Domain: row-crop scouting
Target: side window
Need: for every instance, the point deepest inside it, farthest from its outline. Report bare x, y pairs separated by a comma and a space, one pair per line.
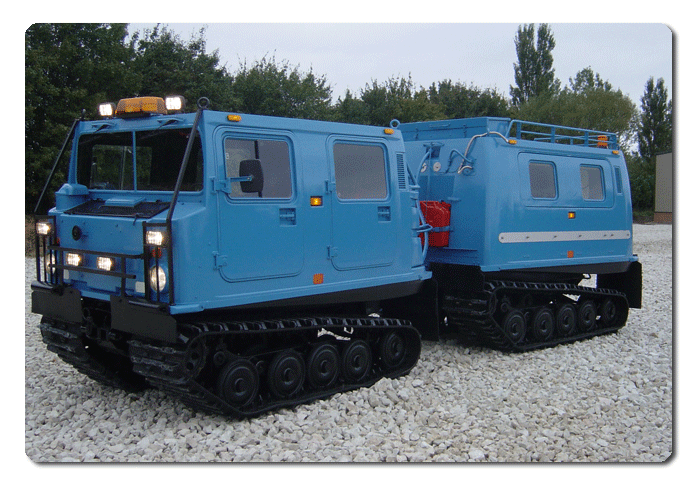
275, 161
360, 171
592, 183
542, 180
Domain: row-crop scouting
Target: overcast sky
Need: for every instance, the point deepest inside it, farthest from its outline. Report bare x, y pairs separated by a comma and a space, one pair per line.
352, 55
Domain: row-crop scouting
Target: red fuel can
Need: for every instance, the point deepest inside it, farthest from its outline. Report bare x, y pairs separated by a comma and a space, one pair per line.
437, 214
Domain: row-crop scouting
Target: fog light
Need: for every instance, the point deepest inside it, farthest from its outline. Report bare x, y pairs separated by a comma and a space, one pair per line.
157, 277
105, 263
73, 259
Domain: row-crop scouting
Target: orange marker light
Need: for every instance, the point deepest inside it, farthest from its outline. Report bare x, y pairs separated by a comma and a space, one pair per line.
234, 118
318, 278
570, 254
572, 214
316, 201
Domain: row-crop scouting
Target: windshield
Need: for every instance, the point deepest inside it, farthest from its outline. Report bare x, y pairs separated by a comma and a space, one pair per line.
143, 161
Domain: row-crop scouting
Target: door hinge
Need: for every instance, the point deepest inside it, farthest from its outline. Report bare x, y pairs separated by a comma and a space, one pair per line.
220, 261
330, 186
332, 252
221, 185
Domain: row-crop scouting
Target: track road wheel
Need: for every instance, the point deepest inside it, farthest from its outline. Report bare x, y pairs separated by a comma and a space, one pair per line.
392, 350
238, 382
565, 320
356, 360
586, 316
322, 365
285, 374
543, 324
514, 326
609, 314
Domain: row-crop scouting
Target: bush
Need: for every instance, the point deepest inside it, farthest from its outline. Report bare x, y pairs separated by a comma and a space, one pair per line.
642, 183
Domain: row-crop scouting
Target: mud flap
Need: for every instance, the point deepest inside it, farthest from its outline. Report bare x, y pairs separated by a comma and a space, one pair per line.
628, 282
63, 304
150, 321
421, 309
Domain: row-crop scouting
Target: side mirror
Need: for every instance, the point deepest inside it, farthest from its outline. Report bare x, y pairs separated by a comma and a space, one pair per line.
251, 168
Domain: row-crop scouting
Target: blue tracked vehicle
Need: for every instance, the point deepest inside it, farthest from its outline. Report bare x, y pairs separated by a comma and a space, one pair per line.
246, 263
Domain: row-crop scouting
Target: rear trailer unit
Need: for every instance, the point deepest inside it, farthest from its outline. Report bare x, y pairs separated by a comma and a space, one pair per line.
526, 211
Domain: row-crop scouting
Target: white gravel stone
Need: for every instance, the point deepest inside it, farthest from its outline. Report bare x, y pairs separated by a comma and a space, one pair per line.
608, 399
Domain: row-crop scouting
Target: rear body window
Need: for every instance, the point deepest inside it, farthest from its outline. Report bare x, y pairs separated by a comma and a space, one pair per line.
592, 183
542, 180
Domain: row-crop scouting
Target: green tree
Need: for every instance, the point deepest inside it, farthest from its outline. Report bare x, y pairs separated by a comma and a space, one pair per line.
396, 98
459, 101
534, 72
272, 88
350, 110
654, 137
587, 102
656, 124
68, 68
164, 64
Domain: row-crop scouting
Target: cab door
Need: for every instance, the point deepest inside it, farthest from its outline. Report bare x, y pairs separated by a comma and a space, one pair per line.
259, 232
364, 221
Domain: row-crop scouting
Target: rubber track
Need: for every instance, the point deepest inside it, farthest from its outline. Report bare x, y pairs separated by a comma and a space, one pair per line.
69, 343
165, 366
475, 316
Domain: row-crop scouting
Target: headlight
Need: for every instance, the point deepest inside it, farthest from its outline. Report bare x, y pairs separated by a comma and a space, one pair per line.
73, 259
43, 228
157, 277
105, 263
155, 237
50, 262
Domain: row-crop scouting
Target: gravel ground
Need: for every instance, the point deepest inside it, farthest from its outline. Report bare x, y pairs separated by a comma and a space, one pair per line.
608, 399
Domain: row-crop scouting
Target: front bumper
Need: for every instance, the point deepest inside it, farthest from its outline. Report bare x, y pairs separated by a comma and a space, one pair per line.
127, 315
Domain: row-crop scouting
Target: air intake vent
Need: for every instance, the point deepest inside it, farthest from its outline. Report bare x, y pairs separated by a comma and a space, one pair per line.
402, 171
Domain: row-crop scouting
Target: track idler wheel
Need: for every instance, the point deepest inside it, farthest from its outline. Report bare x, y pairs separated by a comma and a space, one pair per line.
285, 374
195, 357
356, 360
238, 382
514, 326
565, 320
543, 324
323, 365
586, 316
392, 350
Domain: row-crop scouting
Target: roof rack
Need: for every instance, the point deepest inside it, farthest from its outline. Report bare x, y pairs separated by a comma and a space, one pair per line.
543, 132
